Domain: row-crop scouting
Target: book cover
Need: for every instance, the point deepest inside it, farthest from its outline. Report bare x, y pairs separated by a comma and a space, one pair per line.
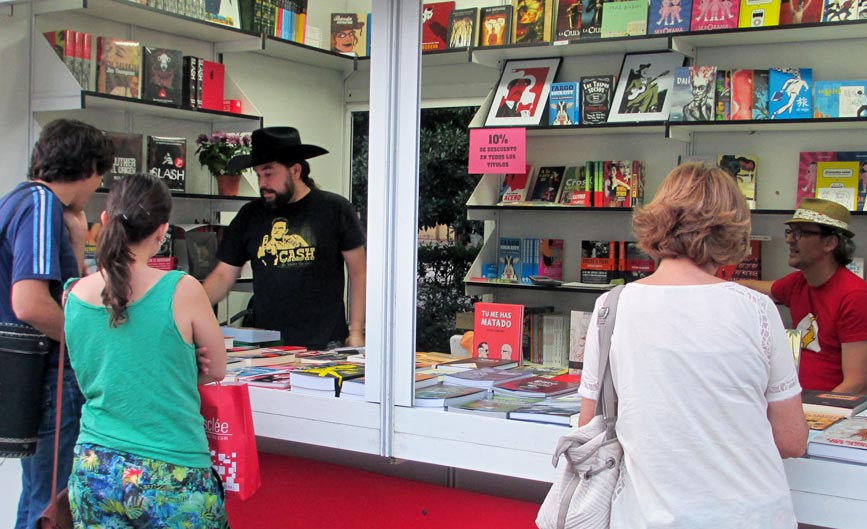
348, 34
598, 262
742, 94
759, 13
533, 21
496, 406
574, 191
807, 169
856, 266
551, 258
462, 27
118, 67
591, 19
845, 440
535, 387
831, 403
509, 259
275, 380
840, 10
860, 159
793, 12
821, 421
749, 268
579, 323
495, 26
435, 25
128, 156
760, 94
636, 263
853, 96
567, 27
475, 362
442, 395
249, 334
213, 85
563, 104
515, 186
714, 14
225, 13
484, 377
744, 169
596, 96
692, 98
616, 184
163, 74
189, 87
562, 410
263, 357
838, 181
498, 330
547, 184
723, 95
668, 16
791, 93
167, 160
624, 18
328, 377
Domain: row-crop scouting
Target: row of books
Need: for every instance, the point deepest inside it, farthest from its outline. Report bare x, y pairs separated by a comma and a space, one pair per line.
285, 19
602, 184
166, 158
126, 68
604, 262
223, 13
838, 425
518, 259
708, 93
565, 21
840, 176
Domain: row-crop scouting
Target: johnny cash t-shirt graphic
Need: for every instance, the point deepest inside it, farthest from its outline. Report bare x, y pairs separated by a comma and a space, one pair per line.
281, 249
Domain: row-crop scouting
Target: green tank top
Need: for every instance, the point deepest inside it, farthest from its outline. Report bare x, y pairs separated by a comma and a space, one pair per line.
140, 379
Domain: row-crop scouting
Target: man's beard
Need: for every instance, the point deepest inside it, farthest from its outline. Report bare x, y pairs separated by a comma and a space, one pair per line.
279, 199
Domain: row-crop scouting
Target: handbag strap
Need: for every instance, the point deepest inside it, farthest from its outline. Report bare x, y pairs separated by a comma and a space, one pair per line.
57, 414
607, 403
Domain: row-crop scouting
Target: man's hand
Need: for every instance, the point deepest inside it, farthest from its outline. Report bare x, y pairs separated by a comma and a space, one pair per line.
355, 339
76, 223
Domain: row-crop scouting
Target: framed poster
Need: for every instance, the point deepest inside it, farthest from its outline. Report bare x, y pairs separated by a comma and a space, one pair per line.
522, 92
644, 87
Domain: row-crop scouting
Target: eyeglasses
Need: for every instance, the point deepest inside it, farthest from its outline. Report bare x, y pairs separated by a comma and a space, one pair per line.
797, 233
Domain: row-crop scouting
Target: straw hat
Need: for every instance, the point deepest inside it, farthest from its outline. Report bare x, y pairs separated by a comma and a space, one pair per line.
822, 212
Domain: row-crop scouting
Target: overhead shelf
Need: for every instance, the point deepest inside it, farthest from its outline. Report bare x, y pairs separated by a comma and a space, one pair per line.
304, 54
684, 131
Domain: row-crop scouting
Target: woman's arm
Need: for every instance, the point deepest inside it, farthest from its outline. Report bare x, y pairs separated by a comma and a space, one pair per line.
789, 426
194, 314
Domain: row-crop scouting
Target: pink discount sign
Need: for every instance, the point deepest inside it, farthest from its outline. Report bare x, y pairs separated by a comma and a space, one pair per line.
498, 151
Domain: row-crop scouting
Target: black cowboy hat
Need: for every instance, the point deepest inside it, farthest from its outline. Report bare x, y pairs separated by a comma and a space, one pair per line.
270, 144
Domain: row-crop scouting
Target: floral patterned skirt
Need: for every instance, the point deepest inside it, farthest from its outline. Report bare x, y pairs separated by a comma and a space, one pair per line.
112, 490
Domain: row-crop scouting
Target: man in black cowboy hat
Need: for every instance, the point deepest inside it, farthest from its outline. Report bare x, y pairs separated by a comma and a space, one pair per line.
827, 301
297, 239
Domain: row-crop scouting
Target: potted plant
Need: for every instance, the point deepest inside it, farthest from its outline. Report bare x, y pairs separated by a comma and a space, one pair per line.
215, 151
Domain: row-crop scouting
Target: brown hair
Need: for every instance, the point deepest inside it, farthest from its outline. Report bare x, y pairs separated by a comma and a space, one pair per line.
136, 206
68, 150
698, 213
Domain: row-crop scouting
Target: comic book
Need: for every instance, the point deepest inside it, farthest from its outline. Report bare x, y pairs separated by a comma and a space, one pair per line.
462, 27
760, 94
575, 191
742, 94
563, 104
714, 14
624, 18
668, 16
759, 13
596, 96
533, 21
723, 93
435, 25
790, 93
794, 12
568, 24
693, 95
495, 26
743, 168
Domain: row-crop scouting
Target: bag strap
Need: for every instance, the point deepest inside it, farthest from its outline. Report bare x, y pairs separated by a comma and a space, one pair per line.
607, 403
57, 414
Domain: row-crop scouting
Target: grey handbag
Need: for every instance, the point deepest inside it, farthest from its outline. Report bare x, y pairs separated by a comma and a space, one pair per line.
581, 496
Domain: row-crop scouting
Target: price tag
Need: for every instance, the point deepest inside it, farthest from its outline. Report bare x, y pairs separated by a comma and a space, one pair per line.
498, 151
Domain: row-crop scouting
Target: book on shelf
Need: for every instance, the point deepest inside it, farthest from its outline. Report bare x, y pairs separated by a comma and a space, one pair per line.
444, 395
840, 10
495, 26
495, 407
435, 25
831, 403
790, 93
750, 267
326, 377
472, 362
555, 339
509, 261
348, 34
535, 387
579, 324
723, 95
759, 13
118, 67
707, 16
190, 85
591, 19
598, 262
694, 93
128, 156
162, 73
744, 169
742, 94
515, 186
794, 12
624, 18
668, 16
575, 191
563, 104
484, 377
838, 181
856, 266
760, 94
808, 163
546, 186
840, 99
845, 441
223, 13
533, 21
550, 258
563, 410
213, 85
567, 26
597, 93
167, 160
633, 263
497, 331
821, 421
462, 27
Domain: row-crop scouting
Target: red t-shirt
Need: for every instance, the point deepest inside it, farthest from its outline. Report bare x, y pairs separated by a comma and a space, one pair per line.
831, 314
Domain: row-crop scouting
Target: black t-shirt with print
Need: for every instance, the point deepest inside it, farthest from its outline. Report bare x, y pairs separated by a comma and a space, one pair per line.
298, 268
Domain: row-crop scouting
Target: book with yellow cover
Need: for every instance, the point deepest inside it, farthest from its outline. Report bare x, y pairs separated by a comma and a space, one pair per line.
838, 181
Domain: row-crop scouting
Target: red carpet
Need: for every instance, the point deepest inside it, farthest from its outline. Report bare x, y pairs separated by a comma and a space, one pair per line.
301, 493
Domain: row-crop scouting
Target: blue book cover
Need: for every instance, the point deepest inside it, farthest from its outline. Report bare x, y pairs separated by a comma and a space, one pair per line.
790, 93
840, 99
509, 260
563, 104
760, 94
668, 16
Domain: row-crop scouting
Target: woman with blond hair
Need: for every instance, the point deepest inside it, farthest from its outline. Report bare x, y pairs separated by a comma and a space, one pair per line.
708, 396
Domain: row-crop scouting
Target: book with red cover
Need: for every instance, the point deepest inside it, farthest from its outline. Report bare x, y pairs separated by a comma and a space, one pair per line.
498, 330
536, 387
213, 83
516, 186
435, 25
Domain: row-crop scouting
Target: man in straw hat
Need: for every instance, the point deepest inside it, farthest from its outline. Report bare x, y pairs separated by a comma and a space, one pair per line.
298, 239
826, 300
